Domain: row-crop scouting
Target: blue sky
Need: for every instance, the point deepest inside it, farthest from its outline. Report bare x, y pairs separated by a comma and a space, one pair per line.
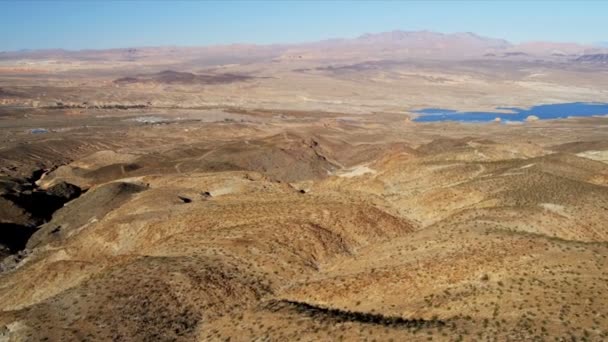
104, 24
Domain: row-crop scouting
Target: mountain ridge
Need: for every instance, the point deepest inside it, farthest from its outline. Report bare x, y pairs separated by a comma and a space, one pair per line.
413, 39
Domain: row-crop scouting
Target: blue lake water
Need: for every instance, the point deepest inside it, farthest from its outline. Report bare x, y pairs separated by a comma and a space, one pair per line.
543, 112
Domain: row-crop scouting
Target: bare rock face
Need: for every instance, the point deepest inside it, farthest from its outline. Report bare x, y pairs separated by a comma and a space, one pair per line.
11, 213
23, 207
9, 185
95, 204
64, 190
37, 205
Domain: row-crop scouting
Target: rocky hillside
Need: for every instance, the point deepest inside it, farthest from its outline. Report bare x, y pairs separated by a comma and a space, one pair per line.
290, 234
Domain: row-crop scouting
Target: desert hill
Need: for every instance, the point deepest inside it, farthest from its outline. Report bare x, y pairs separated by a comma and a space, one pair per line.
290, 192
317, 231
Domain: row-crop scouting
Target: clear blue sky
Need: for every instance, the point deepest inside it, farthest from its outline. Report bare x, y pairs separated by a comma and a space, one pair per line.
104, 24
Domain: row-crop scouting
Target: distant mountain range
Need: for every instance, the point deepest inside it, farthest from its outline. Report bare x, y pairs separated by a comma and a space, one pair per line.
385, 45
594, 58
434, 45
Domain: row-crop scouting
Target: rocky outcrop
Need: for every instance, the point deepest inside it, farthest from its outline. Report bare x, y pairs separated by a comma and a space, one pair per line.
95, 204
23, 207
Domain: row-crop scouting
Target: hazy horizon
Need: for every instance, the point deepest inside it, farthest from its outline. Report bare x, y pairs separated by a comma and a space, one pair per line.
33, 25
598, 44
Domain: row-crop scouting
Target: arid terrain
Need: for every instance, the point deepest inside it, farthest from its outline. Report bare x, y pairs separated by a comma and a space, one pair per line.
284, 193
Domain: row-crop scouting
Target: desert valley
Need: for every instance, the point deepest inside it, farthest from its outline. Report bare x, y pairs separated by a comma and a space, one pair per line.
296, 192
